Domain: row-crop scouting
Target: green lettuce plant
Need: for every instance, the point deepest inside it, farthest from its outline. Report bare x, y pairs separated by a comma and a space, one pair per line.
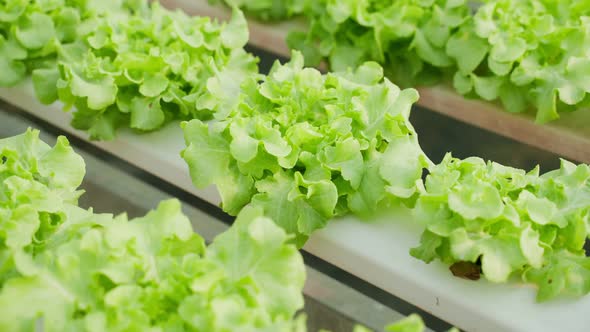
63, 268
38, 185
68, 269
527, 54
508, 222
530, 56
408, 38
30, 31
146, 67
306, 147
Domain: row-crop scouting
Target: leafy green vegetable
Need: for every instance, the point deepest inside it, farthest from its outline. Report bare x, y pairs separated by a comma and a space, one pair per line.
509, 221
307, 147
124, 62
148, 66
37, 184
33, 31
154, 273
412, 323
407, 37
66, 268
531, 52
528, 55
297, 146
29, 33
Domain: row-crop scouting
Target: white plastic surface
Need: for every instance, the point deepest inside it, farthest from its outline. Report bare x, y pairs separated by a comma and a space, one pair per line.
376, 252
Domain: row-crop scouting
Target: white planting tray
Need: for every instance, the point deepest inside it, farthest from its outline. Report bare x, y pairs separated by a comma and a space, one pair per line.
375, 251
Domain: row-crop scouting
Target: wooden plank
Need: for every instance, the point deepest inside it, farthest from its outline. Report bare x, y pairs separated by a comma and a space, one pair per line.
568, 137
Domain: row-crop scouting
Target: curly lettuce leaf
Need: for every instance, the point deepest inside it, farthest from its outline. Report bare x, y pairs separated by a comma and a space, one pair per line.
526, 55
156, 273
508, 222
520, 51
306, 147
408, 38
30, 35
144, 66
66, 268
38, 185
